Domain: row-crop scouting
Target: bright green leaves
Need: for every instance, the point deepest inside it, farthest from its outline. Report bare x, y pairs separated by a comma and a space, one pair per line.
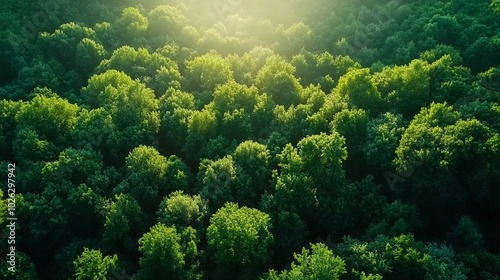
464, 143
181, 210
51, 117
294, 193
166, 251
240, 236
318, 263
91, 265
147, 161
232, 95
206, 72
3, 207
405, 87
495, 5
176, 107
130, 25
322, 156
161, 254
122, 97
420, 143
155, 70
99, 91
311, 182
437, 114
276, 79
132, 108
151, 176
201, 126
359, 90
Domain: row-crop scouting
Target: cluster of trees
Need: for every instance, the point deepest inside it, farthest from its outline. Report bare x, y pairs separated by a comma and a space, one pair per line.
325, 140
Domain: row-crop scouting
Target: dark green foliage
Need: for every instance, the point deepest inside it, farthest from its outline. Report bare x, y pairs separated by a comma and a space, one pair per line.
125, 222
371, 127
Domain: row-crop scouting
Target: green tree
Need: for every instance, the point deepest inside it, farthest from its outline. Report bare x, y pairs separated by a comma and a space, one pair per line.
359, 90
239, 236
276, 79
124, 225
352, 125
317, 263
204, 73
176, 107
322, 156
155, 70
181, 210
88, 56
201, 126
166, 21
253, 172
294, 192
91, 265
400, 257
218, 181
382, 137
131, 25
76, 166
151, 176
465, 236
406, 88
132, 107
397, 218
28, 147
8, 111
52, 118
233, 96
161, 254
24, 269
62, 44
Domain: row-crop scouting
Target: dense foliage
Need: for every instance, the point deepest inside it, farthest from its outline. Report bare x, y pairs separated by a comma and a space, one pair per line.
234, 139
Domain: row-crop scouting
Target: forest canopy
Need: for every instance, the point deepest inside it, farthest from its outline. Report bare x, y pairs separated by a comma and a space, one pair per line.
230, 139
